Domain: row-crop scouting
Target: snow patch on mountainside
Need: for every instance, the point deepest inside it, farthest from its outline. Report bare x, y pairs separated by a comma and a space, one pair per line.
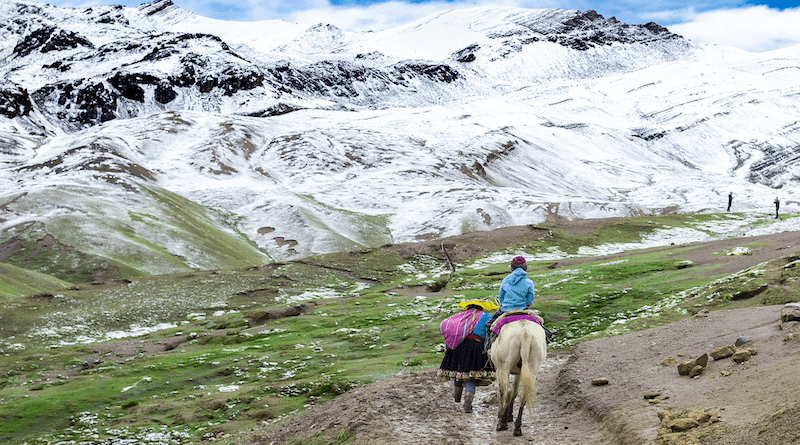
297, 139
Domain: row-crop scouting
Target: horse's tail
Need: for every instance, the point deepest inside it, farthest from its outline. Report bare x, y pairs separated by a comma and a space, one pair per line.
526, 375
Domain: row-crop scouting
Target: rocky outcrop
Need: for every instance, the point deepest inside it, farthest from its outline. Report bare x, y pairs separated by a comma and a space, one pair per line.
116, 15
91, 102
157, 7
14, 101
466, 55
275, 110
159, 70
129, 85
49, 38
585, 30
355, 81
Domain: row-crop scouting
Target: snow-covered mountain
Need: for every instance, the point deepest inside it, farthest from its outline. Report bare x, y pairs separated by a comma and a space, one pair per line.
160, 140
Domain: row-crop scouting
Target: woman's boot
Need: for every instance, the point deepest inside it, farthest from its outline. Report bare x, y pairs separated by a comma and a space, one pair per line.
457, 393
468, 396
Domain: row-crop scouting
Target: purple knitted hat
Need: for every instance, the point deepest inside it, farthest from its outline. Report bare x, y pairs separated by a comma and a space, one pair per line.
519, 261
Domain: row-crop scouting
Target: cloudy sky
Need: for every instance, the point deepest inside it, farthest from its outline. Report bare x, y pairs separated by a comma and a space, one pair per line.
753, 25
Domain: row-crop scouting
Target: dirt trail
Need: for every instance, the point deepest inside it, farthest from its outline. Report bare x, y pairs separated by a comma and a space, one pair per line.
417, 408
757, 401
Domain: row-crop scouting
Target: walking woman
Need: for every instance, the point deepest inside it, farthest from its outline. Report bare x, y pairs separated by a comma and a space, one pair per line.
464, 359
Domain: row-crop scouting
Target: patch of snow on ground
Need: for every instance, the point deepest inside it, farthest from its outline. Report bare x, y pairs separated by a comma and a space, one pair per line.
751, 224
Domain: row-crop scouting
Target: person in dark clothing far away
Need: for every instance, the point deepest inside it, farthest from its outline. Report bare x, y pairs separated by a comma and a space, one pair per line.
777, 206
730, 200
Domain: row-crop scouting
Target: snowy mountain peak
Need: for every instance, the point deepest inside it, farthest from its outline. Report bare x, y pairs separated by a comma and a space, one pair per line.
135, 132
160, 7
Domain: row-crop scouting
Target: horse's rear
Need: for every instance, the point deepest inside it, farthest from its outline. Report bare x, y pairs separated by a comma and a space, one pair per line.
519, 342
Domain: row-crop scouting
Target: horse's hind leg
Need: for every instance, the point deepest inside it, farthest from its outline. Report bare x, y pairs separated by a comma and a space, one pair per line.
518, 422
510, 409
508, 415
502, 417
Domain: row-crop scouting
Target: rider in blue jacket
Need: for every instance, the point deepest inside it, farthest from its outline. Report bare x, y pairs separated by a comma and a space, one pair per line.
516, 292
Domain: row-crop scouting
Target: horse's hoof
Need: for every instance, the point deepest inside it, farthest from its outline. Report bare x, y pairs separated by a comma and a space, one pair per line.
502, 427
517, 432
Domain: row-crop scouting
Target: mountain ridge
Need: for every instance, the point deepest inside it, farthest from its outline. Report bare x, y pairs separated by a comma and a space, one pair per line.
152, 122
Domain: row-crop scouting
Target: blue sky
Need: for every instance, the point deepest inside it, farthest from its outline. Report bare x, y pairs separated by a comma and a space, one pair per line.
754, 25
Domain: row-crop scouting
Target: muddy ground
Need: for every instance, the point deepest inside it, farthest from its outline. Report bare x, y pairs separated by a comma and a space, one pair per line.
753, 402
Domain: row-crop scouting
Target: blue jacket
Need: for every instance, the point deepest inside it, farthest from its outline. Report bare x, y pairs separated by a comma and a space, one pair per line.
480, 328
516, 291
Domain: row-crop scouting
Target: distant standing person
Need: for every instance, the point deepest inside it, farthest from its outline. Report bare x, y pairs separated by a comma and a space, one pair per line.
730, 200
777, 206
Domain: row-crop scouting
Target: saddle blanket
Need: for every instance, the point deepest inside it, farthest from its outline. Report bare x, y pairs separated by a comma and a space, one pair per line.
511, 318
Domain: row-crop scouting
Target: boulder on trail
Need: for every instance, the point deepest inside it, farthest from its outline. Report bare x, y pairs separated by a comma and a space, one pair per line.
741, 355
723, 352
790, 312
686, 367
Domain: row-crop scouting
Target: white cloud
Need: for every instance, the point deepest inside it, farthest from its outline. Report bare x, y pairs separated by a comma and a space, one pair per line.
754, 29
385, 15
375, 17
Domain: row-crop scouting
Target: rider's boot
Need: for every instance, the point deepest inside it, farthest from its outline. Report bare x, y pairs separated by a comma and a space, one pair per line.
457, 393
548, 335
468, 397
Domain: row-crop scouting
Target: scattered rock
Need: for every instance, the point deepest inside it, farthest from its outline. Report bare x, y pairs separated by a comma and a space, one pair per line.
685, 428
669, 361
602, 381
702, 313
696, 371
725, 373
686, 367
742, 355
789, 325
652, 395
723, 352
790, 312
702, 360
682, 424
742, 340
259, 317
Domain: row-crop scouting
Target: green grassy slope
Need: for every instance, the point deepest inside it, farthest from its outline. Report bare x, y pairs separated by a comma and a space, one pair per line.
93, 242
247, 346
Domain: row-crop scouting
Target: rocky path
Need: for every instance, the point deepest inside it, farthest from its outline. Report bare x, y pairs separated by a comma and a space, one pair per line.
756, 402
753, 400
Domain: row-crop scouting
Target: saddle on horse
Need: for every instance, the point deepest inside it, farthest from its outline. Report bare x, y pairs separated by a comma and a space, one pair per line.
512, 316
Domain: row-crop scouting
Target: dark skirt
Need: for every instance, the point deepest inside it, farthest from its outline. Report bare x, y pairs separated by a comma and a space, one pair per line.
467, 362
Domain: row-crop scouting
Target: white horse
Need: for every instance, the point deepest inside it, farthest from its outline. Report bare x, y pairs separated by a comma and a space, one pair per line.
521, 341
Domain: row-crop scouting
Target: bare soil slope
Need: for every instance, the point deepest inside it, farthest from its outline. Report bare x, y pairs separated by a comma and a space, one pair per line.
753, 402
